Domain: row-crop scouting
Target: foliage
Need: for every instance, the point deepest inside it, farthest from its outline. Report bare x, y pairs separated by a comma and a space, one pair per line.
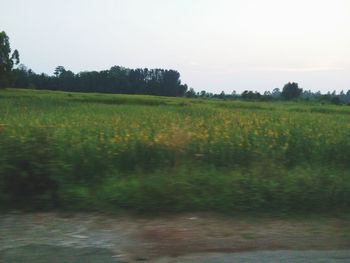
291, 91
115, 80
250, 95
135, 81
276, 95
29, 170
7, 61
94, 151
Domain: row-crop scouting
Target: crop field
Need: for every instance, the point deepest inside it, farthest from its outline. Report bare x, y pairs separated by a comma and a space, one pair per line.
157, 154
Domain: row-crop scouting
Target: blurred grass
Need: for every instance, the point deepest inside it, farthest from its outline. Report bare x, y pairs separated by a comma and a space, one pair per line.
145, 153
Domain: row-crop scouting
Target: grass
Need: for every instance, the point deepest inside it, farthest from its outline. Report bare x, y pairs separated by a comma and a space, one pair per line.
152, 154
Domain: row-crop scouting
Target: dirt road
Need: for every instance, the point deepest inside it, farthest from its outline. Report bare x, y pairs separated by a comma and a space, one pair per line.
63, 237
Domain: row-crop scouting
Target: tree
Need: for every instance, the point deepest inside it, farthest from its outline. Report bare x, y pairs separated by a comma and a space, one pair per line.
170, 83
291, 91
222, 95
250, 95
191, 93
203, 94
7, 61
276, 93
59, 71
117, 79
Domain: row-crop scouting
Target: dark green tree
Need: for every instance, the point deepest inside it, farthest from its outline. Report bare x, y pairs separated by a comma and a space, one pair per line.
191, 93
291, 91
59, 71
117, 79
250, 95
7, 61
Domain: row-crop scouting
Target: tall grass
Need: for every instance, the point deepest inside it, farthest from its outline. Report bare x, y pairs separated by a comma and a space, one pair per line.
93, 151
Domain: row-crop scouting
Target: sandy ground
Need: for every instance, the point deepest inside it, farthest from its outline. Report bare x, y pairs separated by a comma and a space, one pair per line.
168, 238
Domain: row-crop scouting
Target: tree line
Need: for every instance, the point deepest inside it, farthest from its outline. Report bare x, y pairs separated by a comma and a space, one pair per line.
290, 91
117, 79
122, 80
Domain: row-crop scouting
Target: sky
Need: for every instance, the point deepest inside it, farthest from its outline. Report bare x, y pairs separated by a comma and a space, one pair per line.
216, 45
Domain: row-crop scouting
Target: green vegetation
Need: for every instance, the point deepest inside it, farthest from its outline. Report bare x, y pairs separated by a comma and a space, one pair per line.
144, 153
7, 60
121, 80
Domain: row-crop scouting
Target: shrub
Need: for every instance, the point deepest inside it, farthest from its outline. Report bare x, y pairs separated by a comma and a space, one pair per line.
28, 171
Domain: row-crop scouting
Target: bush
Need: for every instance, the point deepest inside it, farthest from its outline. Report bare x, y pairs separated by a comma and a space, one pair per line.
28, 171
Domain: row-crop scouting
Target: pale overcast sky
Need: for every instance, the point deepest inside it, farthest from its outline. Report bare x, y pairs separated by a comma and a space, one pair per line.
215, 44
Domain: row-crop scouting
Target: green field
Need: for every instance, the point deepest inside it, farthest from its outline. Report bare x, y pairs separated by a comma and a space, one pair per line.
143, 153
